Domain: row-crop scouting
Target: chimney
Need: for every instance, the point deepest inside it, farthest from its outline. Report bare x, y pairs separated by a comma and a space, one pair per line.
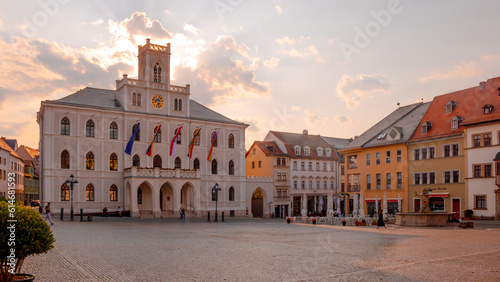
305, 132
481, 85
356, 137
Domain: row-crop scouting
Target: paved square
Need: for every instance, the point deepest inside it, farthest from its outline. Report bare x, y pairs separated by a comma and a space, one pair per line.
125, 249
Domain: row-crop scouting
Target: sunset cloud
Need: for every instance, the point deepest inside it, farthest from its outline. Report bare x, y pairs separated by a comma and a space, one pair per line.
459, 72
271, 63
353, 89
343, 120
191, 28
278, 10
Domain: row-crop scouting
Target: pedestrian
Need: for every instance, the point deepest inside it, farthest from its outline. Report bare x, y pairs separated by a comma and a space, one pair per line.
105, 211
183, 213
380, 221
180, 213
48, 213
119, 211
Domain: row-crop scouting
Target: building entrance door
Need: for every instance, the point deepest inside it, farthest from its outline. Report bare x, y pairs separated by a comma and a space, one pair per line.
456, 207
257, 204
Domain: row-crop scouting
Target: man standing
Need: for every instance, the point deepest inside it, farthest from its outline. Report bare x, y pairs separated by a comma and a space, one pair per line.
48, 213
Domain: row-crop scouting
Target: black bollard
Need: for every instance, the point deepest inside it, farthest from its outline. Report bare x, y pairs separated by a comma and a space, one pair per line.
222, 217
62, 213
208, 217
81, 214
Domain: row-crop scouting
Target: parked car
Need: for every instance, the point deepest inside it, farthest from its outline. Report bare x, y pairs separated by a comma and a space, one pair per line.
35, 203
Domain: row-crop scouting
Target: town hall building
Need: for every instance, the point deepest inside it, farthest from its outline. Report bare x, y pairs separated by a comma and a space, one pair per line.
145, 147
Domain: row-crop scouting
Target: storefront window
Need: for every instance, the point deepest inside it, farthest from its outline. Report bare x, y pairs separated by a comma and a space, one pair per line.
436, 204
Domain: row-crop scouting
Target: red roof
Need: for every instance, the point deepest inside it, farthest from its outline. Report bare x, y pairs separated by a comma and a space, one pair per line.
488, 97
463, 101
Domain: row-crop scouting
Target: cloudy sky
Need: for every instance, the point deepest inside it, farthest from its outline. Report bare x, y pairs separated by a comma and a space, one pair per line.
332, 67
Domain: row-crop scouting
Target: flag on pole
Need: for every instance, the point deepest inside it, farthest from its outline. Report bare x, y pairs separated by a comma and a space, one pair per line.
191, 145
212, 148
174, 140
128, 149
149, 152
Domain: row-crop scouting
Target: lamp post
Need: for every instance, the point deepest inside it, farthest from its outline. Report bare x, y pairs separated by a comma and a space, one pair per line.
345, 203
215, 190
71, 183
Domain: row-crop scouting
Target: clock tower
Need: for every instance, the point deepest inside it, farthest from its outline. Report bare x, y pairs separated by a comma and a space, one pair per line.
152, 91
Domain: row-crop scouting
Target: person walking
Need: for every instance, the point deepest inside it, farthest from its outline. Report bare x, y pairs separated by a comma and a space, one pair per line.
48, 213
119, 211
180, 213
380, 221
183, 213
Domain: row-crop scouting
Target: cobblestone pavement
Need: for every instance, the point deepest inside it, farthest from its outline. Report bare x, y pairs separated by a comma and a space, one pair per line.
125, 249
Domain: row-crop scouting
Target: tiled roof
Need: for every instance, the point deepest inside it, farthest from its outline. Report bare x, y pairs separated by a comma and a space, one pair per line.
488, 96
6, 147
269, 148
107, 99
464, 101
338, 143
402, 120
312, 141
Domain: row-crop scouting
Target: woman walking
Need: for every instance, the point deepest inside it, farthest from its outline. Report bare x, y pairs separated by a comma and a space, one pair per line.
380, 221
48, 213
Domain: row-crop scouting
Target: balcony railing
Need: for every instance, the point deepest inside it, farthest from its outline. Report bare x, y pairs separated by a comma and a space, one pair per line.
149, 172
353, 188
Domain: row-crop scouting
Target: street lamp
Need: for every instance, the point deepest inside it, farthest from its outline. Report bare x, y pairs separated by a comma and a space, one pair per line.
215, 190
71, 182
345, 203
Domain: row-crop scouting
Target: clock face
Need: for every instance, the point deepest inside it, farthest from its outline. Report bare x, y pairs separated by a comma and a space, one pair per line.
157, 101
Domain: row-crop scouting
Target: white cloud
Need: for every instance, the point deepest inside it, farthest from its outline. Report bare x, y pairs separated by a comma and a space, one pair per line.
191, 28
98, 22
290, 41
308, 51
167, 12
272, 63
459, 72
490, 58
313, 117
278, 10
353, 89
343, 120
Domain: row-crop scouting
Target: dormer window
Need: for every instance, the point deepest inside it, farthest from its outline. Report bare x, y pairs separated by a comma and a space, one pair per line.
455, 122
488, 108
297, 150
157, 73
306, 151
425, 127
319, 151
328, 153
450, 106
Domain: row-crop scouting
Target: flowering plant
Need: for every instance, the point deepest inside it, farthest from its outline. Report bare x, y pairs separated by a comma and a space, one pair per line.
343, 220
314, 219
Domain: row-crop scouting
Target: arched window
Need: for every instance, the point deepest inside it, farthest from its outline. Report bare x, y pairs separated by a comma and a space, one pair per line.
113, 131
180, 105
139, 196
113, 193
138, 135
64, 192
157, 73
65, 159
177, 163
230, 141
231, 194
90, 161
157, 134
178, 136
90, 192
136, 161
197, 139
213, 139
231, 167
138, 99
134, 99
90, 128
196, 164
157, 161
214, 166
175, 104
113, 162
65, 126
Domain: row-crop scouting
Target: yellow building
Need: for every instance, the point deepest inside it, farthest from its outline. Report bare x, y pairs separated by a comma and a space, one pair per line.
377, 165
436, 153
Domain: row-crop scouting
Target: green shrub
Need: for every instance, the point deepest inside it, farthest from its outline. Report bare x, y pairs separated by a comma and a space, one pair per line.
32, 236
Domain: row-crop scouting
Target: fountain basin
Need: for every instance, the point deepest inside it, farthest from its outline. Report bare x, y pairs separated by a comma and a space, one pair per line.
433, 219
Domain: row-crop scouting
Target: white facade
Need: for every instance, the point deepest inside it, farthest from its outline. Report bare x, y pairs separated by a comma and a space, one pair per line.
149, 188
11, 165
480, 182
